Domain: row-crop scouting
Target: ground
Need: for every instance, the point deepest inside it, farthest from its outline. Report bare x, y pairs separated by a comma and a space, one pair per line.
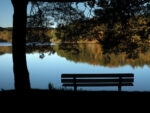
59, 100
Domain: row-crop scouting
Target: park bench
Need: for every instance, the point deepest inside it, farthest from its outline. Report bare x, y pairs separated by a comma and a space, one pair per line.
97, 80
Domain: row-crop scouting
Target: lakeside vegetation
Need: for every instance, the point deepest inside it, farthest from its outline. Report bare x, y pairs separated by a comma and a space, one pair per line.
115, 44
5, 34
136, 31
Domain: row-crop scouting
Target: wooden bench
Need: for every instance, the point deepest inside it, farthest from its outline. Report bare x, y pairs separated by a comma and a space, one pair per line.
97, 80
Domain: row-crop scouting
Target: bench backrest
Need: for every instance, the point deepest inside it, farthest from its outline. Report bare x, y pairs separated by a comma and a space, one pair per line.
91, 80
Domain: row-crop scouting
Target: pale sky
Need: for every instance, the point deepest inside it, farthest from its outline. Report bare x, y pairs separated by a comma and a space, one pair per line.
6, 13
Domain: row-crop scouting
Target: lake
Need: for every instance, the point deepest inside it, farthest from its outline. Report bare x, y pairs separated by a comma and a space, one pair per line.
46, 63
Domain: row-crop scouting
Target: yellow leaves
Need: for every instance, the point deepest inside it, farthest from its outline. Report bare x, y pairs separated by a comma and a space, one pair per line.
101, 35
4, 35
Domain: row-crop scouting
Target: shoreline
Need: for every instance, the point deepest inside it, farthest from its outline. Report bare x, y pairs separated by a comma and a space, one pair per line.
38, 92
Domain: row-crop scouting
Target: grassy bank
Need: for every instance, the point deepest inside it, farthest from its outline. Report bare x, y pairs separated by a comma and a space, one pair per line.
70, 93
47, 101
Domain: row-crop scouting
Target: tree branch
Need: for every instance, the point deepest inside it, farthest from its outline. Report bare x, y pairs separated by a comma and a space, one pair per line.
59, 0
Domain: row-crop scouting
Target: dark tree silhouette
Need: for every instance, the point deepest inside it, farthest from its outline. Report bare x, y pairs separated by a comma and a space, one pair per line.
21, 73
113, 25
112, 12
43, 15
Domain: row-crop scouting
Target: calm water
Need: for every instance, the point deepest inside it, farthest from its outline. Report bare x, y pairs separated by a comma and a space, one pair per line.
47, 63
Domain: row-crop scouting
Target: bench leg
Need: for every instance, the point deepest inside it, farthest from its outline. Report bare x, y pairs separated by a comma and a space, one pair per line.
119, 86
75, 85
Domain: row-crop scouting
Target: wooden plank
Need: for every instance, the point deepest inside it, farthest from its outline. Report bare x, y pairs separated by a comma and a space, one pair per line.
96, 85
95, 80
59, 0
96, 75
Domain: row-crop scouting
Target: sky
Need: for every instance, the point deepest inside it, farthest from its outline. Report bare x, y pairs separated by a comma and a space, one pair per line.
6, 13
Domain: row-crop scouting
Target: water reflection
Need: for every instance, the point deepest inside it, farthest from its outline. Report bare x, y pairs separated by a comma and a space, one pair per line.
90, 53
94, 55
47, 63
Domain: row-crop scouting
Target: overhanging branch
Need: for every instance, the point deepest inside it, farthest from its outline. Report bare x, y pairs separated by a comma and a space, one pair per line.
59, 0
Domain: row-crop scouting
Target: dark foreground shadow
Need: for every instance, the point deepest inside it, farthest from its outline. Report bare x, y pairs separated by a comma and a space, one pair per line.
38, 95
48, 100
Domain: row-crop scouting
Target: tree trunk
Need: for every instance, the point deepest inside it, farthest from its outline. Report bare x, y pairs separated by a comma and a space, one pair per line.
21, 74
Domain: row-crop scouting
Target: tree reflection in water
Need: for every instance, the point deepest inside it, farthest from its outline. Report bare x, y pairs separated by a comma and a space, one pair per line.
92, 54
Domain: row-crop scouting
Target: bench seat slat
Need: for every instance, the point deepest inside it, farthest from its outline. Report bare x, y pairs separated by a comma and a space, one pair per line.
95, 80
96, 75
91, 85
